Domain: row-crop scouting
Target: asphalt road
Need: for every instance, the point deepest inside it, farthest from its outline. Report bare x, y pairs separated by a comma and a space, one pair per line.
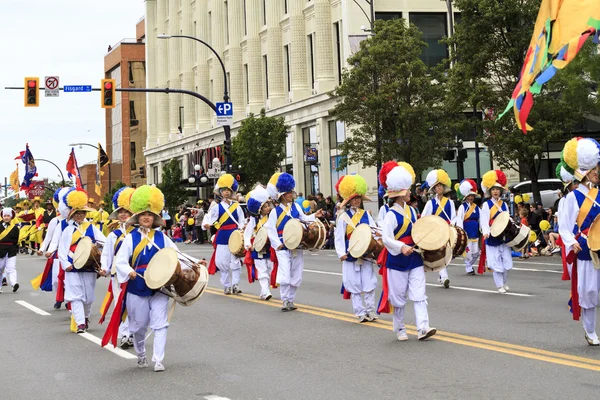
489, 345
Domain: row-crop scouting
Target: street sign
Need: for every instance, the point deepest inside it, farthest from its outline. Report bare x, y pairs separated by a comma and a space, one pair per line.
213, 173
51, 86
77, 88
224, 113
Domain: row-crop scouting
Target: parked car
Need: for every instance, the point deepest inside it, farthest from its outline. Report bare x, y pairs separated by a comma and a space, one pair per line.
549, 190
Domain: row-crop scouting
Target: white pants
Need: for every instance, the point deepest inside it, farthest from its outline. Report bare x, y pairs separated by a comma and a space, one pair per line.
55, 270
289, 272
472, 254
357, 279
499, 260
116, 289
413, 282
8, 268
148, 311
79, 291
264, 268
227, 263
443, 274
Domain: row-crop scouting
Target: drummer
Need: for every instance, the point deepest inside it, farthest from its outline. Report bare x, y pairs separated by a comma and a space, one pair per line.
145, 307
226, 217
358, 276
291, 262
497, 253
439, 183
381, 192
121, 204
403, 270
467, 218
565, 174
581, 155
259, 206
79, 283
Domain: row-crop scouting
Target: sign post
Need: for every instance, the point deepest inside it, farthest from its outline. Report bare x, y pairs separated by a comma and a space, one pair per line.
51, 84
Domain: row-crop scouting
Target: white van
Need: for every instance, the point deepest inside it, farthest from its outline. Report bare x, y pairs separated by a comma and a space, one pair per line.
549, 190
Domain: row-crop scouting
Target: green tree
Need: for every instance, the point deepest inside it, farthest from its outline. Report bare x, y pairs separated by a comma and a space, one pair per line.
109, 195
259, 148
390, 99
171, 187
491, 41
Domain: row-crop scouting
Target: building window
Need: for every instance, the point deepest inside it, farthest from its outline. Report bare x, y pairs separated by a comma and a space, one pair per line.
132, 153
209, 27
386, 16
264, 10
155, 175
338, 51
228, 81
288, 146
130, 72
211, 90
133, 121
311, 165
285, 7
245, 20
311, 59
266, 69
246, 84
286, 54
226, 23
434, 27
337, 134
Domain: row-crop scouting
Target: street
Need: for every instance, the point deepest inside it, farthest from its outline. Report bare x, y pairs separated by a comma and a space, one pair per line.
489, 345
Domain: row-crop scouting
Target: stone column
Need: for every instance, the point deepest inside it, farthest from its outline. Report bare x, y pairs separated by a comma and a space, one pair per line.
324, 156
218, 43
162, 56
324, 71
299, 79
187, 68
202, 72
150, 25
254, 56
275, 67
234, 65
175, 45
298, 158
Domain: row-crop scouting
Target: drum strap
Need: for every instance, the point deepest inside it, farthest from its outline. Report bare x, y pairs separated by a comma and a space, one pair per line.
495, 210
407, 219
146, 239
227, 215
262, 221
441, 207
123, 235
285, 212
352, 222
470, 211
79, 232
586, 207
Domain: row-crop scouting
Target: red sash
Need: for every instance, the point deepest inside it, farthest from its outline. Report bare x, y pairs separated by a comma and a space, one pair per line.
384, 305
275, 262
249, 263
212, 265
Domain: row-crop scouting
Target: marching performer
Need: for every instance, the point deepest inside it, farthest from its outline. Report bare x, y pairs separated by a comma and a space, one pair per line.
497, 254
467, 218
259, 206
581, 209
402, 271
439, 183
226, 217
565, 174
145, 307
37, 231
27, 222
101, 217
48, 216
114, 240
358, 276
291, 262
9, 247
381, 192
79, 283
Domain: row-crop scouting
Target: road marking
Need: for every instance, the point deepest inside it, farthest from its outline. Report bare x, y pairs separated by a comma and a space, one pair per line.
314, 271
31, 307
470, 341
109, 347
552, 271
215, 397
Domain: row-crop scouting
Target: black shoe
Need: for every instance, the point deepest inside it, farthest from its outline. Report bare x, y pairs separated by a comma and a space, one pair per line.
291, 306
81, 328
286, 307
4, 282
57, 305
87, 324
15, 287
471, 273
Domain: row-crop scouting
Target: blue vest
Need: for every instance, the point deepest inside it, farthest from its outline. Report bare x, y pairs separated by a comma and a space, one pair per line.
89, 232
279, 210
471, 224
492, 241
223, 235
255, 254
584, 254
363, 220
138, 286
447, 213
402, 262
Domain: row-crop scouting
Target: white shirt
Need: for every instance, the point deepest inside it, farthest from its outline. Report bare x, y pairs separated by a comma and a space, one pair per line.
272, 222
390, 223
381, 216
108, 251
340, 231
65, 242
428, 210
213, 214
48, 239
484, 217
568, 216
460, 215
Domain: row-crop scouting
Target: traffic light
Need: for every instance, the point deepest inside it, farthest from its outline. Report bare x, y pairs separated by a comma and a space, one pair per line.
227, 149
449, 155
32, 92
107, 90
142, 171
462, 155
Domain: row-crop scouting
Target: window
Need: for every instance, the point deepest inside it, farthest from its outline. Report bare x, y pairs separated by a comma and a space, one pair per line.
434, 28
264, 10
245, 20
133, 121
209, 27
266, 69
155, 175
338, 51
386, 16
311, 59
337, 134
285, 7
130, 72
311, 167
132, 164
211, 90
247, 84
226, 23
288, 146
286, 55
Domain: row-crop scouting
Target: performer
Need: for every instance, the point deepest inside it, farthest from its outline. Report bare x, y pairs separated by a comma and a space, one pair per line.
114, 240
37, 231
48, 215
101, 217
381, 192
9, 247
497, 254
226, 217
291, 262
581, 209
402, 271
79, 283
27, 222
467, 218
358, 276
259, 206
145, 307
565, 174
439, 183
89, 216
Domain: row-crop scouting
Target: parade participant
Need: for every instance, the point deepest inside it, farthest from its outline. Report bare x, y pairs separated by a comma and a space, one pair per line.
37, 231
381, 192
89, 216
101, 218
565, 174
226, 217
48, 216
9, 247
497, 254
27, 222
581, 209
259, 206
358, 275
145, 307
79, 283
402, 270
291, 262
47, 278
121, 204
467, 218
439, 183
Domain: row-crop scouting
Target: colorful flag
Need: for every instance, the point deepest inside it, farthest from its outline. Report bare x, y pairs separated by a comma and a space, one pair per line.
30, 168
101, 162
73, 170
14, 181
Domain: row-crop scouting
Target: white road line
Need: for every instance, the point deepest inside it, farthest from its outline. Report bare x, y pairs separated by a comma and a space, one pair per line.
215, 397
31, 307
552, 271
109, 347
323, 272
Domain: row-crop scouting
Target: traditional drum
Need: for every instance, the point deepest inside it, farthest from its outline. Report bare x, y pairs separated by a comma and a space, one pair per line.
311, 236
593, 241
177, 277
458, 240
261, 240
87, 256
236, 243
514, 236
431, 235
362, 244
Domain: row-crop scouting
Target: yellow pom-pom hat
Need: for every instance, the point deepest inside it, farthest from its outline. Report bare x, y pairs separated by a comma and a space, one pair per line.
493, 178
121, 201
581, 155
144, 199
438, 176
227, 181
76, 200
352, 186
26, 203
397, 178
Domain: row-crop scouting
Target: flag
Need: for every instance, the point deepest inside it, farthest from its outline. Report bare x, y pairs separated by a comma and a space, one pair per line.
14, 181
73, 170
30, 168
101, 162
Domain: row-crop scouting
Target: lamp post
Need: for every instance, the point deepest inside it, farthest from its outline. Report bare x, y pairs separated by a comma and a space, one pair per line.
96, 147
200, 179
61, 174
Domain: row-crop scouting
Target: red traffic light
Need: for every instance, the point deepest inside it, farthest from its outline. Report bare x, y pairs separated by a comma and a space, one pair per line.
108, 85
31, 84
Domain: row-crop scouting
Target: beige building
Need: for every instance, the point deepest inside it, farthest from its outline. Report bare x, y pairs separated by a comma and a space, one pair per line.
283, 55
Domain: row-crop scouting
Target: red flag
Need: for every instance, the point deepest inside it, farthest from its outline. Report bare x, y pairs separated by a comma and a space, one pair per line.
73, 170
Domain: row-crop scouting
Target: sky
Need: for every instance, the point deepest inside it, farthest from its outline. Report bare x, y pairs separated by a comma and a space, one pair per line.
65, 38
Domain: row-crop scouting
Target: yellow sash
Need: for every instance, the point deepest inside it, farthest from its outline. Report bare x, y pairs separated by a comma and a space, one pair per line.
441, 206
78, 232
470, 211
497, 207
225, 216
123, 235
282, 216
140, 247
355, 220
586, 207
262, 221
405, 222
6, 231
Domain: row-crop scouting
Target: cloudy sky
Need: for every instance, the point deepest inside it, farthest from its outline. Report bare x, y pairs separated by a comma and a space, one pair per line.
68, 38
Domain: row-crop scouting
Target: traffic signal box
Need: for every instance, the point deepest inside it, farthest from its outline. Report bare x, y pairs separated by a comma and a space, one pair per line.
107, 90
32, 92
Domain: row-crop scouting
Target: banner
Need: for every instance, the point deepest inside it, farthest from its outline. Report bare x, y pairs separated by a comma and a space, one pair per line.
73, 170
14, 181
100, 162
30, 168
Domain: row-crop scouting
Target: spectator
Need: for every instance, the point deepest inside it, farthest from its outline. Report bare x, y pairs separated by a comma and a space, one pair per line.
421, 198
524, 214
300, 199
167, 218
198, 218
177, 235
540, 208
320, 201
329, 209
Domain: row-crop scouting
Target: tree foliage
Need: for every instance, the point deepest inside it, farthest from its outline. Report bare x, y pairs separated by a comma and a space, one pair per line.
109, 195
171, 187
490, 43
390, 94
259, 148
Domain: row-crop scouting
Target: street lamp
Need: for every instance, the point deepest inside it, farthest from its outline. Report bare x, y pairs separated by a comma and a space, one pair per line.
200, 179
95, 147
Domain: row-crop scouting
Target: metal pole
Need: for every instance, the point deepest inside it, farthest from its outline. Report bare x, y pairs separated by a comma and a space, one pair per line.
61, 174
477, 161
5, 187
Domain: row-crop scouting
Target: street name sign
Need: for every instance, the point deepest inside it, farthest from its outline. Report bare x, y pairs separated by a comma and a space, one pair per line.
77, 88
